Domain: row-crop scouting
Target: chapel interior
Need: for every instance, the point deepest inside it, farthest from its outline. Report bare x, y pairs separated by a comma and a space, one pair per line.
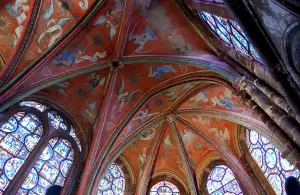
149, 97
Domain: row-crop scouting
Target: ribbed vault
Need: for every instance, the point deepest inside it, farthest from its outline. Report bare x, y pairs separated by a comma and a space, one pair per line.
142, 78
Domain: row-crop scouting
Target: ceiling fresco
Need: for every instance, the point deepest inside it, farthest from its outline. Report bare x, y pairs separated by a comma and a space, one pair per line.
161, 29
87, 89
123, 68
12, 27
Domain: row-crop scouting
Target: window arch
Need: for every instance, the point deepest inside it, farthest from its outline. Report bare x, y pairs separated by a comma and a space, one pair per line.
113, 181
275, 168
221, 180
231, 34
164, 188
32, 158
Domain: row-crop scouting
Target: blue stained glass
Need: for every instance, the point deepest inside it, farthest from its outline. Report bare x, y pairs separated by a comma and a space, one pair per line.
16, 146
164, 188
56, 121
51, 168
73, 134
231, 33
275, 168
113, 181
32, 104
222, 181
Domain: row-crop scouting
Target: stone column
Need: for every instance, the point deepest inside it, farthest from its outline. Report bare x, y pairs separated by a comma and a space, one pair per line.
289, 149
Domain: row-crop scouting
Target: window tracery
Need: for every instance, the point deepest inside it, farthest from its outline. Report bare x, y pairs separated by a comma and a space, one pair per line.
113, 181
164, 188
18, 137
231, 34
221, 180
275, 168
50, 169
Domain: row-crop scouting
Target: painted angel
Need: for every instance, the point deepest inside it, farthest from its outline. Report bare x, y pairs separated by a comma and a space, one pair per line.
171, 94
62, 87
54, 31
125, 96
18, 11
168, 142
143, 38
223, 136
160, 71
142, 157
110, 22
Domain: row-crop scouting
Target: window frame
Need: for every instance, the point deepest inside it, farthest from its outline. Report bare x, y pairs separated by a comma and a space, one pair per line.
48, 133
207, 171
258, 170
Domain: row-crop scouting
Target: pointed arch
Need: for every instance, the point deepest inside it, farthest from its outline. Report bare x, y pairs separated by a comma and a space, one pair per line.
118, 178
231, 34
39, 148
218, 178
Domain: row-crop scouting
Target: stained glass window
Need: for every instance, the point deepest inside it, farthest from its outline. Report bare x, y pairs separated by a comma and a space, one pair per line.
32, 104
55, 120
50, 169
214, 1
222, 181
18, 136
164, 188
231, 33
275, 168
113, 181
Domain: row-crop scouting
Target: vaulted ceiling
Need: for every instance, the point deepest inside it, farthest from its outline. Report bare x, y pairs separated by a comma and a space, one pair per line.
137, 75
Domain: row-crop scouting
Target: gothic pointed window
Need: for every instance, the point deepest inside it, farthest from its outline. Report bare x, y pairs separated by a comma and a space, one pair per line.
231, 34
23, 137
113, 181
221, 180
164, 188
275, 168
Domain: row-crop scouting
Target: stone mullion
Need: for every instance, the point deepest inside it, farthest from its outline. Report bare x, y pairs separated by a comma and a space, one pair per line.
143, 184
213, 8
190, 174
21, 175
279, 116
98, 128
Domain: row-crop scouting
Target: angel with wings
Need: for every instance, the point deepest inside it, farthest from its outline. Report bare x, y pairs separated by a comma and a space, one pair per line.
54, 31
109, 21
125, 96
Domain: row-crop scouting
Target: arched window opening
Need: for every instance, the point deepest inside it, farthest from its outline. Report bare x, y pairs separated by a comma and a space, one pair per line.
231, 34
18, 136
221, 180
113, 181
50, 169
164, 188
55, 120
275, 168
